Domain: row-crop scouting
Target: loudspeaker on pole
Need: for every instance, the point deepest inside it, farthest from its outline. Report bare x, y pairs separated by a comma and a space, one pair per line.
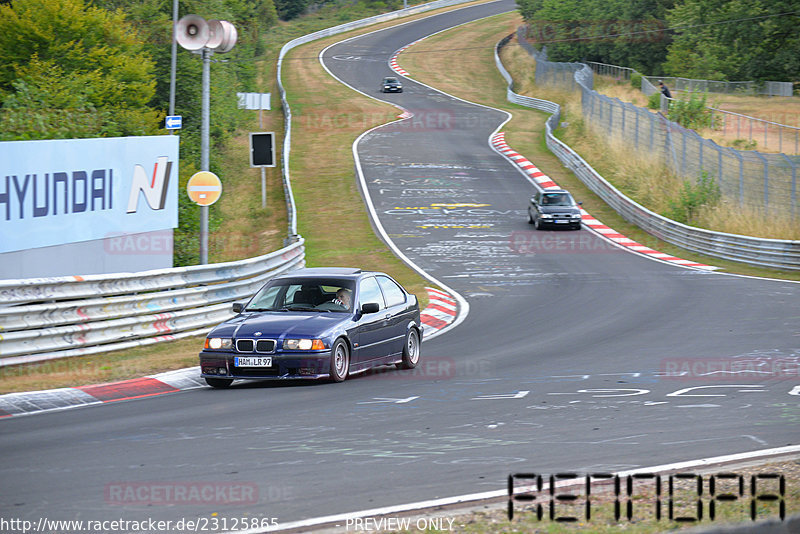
192, 32
216, 34
229, 36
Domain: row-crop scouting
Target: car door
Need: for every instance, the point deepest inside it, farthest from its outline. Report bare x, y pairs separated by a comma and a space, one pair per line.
373, 328
396, 312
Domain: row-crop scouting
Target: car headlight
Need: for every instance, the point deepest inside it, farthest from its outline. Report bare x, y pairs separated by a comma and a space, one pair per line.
218, 343
546, 216
303, 344
576, 216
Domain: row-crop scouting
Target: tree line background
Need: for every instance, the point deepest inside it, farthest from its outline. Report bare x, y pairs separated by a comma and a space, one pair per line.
732, 40
76, 69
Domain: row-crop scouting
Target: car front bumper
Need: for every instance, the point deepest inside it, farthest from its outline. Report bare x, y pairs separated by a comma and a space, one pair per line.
557, 223
296, 365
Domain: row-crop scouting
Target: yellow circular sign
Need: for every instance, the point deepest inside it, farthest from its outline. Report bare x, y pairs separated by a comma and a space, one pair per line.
204, 188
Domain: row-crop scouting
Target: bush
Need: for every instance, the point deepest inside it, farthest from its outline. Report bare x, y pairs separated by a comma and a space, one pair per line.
702, 194
691, 113
744, 144
654, 101
636, 80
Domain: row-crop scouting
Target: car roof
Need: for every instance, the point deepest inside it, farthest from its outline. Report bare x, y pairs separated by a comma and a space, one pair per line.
546, 191
325, 272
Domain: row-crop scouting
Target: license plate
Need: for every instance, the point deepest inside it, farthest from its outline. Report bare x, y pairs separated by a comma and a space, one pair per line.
252, 361
561, 221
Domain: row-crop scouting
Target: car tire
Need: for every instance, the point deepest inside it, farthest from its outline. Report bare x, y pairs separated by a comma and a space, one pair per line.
219, 383
538, 224
411, 350
340, 361
530, 218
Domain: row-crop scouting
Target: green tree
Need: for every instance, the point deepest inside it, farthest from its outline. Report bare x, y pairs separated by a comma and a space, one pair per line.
64, 60
735, 40
289, 9
620, 32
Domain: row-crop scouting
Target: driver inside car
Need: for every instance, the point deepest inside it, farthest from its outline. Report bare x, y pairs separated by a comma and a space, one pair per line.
342, 298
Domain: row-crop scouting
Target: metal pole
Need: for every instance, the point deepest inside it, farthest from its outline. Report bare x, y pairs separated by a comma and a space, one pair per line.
174, 61
263, 170
204, 142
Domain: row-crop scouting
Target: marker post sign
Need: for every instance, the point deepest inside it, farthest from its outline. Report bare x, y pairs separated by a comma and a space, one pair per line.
262, 154
204, 188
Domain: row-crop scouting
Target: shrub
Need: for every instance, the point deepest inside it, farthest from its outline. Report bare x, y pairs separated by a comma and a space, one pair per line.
743, 144
654, 101
704, 193
692, 112
636, 80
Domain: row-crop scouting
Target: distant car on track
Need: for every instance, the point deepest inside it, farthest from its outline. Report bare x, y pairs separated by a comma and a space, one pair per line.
554, 207
391, 84
316, 323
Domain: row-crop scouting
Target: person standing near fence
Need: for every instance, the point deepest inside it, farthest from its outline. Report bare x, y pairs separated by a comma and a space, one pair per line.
664, 89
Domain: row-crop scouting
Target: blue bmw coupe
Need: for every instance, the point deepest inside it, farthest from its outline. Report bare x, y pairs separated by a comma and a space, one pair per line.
315, 323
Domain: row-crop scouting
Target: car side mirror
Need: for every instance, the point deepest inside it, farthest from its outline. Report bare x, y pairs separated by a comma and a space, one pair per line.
238, 307
370, 307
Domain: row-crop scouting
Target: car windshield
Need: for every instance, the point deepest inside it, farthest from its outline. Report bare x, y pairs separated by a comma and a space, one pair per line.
304, 294
557, 199
390, 80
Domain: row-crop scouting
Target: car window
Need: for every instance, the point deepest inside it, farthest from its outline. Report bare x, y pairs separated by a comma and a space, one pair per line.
265, 298
370, 291
391, 291
303, 294
557, 199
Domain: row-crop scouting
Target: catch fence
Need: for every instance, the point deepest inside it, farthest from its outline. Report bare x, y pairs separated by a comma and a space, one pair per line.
764, 181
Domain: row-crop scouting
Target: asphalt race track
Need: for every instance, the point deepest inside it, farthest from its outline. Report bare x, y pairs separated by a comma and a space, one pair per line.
559, 366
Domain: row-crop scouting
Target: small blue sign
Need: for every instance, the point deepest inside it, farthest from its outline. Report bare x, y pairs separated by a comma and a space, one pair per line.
173, 122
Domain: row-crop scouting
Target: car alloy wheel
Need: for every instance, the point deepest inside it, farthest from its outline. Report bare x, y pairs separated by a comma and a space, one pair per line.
411, 350
340, 361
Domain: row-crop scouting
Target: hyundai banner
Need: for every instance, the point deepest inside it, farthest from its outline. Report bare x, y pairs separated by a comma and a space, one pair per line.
65, 191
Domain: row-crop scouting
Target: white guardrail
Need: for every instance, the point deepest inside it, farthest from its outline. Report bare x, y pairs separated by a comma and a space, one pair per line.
771, 253
48, 318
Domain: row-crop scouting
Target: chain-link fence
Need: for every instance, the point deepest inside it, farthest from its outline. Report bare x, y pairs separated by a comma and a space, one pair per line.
750, 178
725, 87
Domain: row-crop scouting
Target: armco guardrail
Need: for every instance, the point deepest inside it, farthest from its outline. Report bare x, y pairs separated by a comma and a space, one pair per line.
47, 318
772, 253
